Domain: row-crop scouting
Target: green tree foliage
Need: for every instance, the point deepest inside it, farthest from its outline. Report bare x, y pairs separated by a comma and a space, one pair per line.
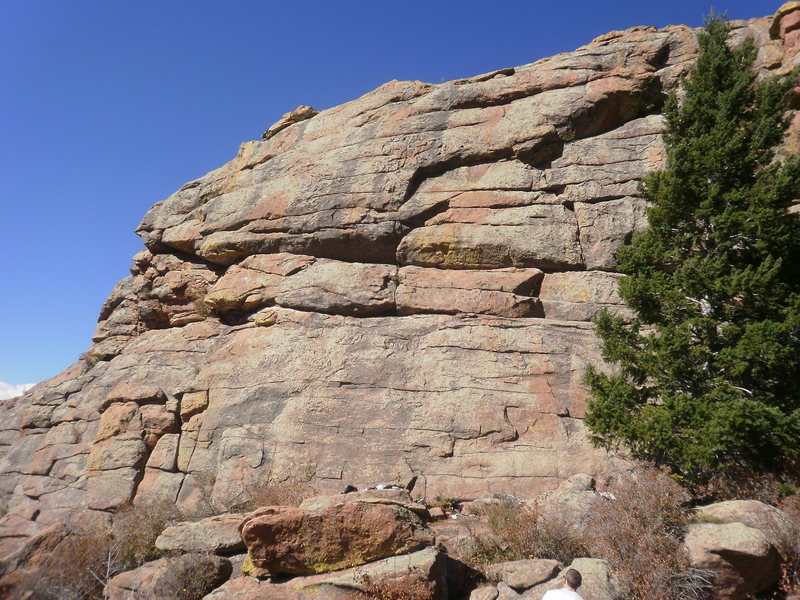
708, 371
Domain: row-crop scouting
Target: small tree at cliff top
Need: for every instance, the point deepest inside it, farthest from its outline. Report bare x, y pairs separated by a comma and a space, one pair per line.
708, 371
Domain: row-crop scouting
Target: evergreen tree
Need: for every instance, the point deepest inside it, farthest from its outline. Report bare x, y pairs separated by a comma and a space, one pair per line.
708, 371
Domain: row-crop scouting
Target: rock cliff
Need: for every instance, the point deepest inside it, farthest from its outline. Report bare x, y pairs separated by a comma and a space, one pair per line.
399, 286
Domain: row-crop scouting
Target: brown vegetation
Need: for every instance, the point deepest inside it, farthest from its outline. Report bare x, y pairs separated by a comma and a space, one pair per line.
790, 547
396, 589
640, 533
87, 558
744, 483
517, 532
77, 569
136, 528
191, 577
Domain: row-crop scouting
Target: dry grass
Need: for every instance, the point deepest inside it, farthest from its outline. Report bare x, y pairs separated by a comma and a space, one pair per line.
190, 577
136, 528
86, 559
77, 569
640, 532
518, 532
411, 588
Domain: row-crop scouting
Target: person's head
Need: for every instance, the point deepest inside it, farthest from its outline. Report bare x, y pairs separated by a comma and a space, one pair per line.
573, 579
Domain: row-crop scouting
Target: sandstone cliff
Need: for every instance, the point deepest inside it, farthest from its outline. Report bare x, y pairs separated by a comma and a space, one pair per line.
398, 286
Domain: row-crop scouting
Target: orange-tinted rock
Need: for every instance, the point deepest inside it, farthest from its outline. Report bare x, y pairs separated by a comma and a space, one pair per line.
786, 26
503, 292
296, 541
218, 534
577, 295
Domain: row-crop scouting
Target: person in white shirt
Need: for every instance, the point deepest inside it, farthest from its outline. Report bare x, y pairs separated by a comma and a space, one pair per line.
572, 581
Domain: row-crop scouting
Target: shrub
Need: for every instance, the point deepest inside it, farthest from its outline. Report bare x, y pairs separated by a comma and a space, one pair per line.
639, 531
77, 568
746, 483
87, 558
517, 531
446, 503
190, 577
202, 309
136, 528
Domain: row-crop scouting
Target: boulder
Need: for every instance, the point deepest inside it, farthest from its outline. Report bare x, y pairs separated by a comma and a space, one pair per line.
304, 283
301, 113
299, 541
544, 237
524, 574
336, 287
778, 528
506, 592
422, 573
253, 282
35, 548
597, 581
486, 592
786, 26
742, 558
458, 537
395, 496
218, 534
164, 579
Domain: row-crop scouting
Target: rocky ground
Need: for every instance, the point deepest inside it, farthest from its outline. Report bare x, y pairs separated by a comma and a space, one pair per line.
382, 544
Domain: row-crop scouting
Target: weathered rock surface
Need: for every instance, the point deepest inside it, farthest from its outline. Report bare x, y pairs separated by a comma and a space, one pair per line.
573, 503
597, 581
742, 541
396, 496
394, 287
167, 578
330, 536
530, 579
742, 558
521, 575
422, 572
504, 292
218, 534
772, 522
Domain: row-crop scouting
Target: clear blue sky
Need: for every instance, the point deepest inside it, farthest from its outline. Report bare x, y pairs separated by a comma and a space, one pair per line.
108, 107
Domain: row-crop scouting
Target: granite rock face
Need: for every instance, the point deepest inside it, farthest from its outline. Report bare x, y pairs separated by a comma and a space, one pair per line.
395, 287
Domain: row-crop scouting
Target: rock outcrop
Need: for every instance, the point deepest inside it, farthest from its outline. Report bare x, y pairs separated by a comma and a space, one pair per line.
398, 286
